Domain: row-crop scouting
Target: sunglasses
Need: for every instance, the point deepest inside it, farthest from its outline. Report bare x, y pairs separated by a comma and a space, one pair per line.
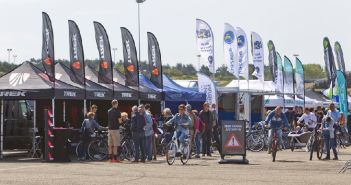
181, 109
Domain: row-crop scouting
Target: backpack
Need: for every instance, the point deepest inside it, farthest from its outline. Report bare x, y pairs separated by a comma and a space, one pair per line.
193, 119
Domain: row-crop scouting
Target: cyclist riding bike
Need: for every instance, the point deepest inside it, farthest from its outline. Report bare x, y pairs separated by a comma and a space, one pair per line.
274, 121
182, 121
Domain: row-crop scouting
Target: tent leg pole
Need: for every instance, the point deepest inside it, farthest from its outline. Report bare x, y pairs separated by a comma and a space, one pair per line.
139, 102
64, 111
35, 114
53, 111
2, 129
85, 107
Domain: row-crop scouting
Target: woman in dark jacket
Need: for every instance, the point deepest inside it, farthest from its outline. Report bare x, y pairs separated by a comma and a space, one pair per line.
126, 124
169, 129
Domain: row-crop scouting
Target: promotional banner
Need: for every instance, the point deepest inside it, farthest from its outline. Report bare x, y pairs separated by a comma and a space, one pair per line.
230, 48
343, 100
288, 78
257, 54
130, 57
205, 43
207, 86
272, 57
76, 54
279, 87
340, 57
300, 80
47, 52
103, 45
330, 66
242, 53
155, 62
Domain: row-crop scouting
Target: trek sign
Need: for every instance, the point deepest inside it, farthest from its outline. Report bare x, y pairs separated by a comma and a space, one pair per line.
233, 137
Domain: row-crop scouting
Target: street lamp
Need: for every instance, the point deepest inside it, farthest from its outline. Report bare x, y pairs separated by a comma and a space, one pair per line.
296, 55
139, 2
9, 50
14, 59
199, 56
114, 54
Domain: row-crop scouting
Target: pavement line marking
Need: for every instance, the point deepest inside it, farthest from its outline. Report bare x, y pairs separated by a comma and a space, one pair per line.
22, 168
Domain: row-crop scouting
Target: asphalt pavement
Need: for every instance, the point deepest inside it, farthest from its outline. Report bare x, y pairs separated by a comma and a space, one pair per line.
289, 168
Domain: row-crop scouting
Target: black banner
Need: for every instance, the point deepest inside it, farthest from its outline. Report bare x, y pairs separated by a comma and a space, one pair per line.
329, 61
130, 58
340, 57
47, 52
76, 54
103, 45
272, 57
155, 62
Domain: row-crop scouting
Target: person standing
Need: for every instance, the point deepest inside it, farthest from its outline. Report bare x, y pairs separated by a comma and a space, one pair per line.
137, 127
148, 134
191, 127
290, 115
197, 134
206, 116
335, 115
297, 116
216, 131
309, 119
87, 129
169, 129
327, 127
93, 109
114, 137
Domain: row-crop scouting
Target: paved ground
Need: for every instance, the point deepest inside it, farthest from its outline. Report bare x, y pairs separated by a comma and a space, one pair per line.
290, 168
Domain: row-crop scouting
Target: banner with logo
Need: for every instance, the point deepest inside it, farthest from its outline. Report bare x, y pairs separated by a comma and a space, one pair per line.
103, 45
340, 57
76, 54
330, 66
48, 52
279, 87
258, 56
230, 48
207, 86
243, 57
205, 43
288, 78
272, 57
300, 80
343, 100
155, 61
131, 67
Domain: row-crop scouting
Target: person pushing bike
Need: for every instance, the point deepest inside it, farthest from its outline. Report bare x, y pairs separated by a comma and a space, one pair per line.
274, 121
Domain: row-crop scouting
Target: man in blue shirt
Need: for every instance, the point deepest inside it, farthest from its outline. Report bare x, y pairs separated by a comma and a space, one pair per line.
274, 121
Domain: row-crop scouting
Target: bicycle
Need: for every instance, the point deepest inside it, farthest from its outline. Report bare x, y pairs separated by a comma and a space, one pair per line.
172, 151
98, 147
255, 138
317, 143
275, 144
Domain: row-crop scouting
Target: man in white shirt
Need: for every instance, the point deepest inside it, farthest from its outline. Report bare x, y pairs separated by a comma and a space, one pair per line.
309, 118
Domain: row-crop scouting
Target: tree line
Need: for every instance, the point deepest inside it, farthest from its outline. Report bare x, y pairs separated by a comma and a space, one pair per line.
180, 70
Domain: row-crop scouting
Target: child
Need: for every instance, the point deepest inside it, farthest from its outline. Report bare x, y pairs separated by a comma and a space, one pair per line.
298, 130
305, 129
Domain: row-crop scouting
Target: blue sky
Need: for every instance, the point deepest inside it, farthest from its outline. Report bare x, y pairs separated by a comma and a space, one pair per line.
295, 26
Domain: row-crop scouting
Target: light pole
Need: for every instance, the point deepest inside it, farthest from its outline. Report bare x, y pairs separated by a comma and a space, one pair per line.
139, 2
296, 55
198, 61
14, 59
9, 50
114, 54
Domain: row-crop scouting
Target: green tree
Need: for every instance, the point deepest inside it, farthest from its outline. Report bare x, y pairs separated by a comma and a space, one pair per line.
173, 72
204, 69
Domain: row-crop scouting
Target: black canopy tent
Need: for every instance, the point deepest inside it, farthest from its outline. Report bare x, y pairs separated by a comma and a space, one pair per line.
27, 82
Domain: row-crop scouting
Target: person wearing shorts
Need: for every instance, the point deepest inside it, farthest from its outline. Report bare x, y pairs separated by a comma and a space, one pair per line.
114, 137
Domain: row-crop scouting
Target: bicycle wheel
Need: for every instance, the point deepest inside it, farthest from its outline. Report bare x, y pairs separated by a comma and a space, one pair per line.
274, 150
313, 145
320, 148
171, 152
98, 150
255, 143
292, 144
338, 143
77, 148
186, 153
161, 148
127, 152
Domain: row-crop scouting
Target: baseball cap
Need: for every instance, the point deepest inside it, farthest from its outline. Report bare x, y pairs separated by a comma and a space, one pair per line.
188, 107
140, 107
